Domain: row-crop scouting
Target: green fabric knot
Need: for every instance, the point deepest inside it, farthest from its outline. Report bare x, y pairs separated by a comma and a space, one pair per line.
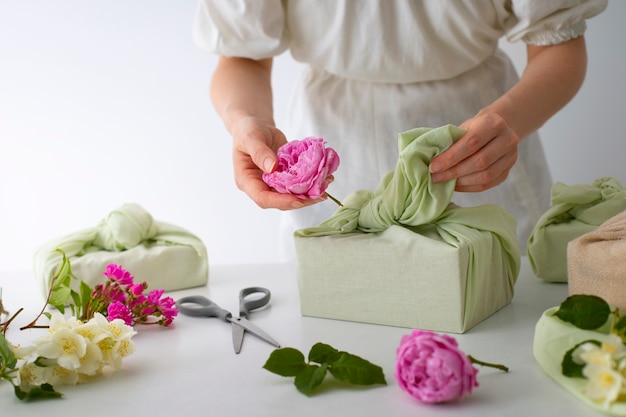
125, 228
575, 210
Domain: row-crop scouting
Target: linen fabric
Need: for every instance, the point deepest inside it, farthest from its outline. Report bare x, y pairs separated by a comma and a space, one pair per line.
373, 70
575, 210
165, 256
553, 338
596, 262
465, 260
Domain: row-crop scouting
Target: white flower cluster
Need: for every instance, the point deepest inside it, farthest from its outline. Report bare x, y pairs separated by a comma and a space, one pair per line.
73, 351
605, 369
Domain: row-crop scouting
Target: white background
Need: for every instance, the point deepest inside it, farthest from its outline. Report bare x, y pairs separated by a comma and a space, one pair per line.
106, 102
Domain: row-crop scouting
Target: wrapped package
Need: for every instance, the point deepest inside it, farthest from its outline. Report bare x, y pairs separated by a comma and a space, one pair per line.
596, 262
575, 210
553, 338
165, 256
405, 255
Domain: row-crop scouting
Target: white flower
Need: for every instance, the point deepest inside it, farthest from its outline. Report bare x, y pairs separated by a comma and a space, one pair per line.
604, 383
66, 346
590, 353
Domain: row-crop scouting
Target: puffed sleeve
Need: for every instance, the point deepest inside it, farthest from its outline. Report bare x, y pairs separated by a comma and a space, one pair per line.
244, 28
540, 22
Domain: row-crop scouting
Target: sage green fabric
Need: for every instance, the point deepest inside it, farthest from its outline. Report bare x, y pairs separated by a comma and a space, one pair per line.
575, 210
165, 256
407, 197
553, 338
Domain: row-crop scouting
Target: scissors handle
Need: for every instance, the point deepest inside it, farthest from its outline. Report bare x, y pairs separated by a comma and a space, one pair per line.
247, 304
200, 306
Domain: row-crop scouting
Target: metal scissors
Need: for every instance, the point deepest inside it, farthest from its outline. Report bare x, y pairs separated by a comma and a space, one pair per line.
200, 306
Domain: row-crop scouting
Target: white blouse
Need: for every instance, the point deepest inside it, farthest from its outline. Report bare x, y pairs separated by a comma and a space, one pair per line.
419, 40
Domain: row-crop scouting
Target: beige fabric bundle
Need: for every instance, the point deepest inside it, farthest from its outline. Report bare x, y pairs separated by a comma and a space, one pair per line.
596, 262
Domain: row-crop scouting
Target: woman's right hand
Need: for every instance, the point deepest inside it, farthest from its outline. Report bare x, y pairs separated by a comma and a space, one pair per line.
255, 142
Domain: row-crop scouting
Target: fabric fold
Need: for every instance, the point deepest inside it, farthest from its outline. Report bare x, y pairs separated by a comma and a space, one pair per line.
596, 262
575, 210
165, 256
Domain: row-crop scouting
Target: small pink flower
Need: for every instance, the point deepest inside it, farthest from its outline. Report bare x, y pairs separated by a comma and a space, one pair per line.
119, 274
303, 168
137, 289
117, 310
431, 368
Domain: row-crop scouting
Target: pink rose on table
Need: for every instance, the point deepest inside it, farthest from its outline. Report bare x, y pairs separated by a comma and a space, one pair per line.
304, 167
431, 368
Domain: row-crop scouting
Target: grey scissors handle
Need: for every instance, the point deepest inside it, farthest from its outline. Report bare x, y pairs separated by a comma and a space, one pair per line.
247, 304
200, 306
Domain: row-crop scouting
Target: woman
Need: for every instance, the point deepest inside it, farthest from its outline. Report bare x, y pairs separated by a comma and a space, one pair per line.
374, 69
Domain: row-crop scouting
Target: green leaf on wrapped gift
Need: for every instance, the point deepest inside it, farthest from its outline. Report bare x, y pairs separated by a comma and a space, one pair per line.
571, 368
310, 378
586, 312
619, 328
285, 362
355, 370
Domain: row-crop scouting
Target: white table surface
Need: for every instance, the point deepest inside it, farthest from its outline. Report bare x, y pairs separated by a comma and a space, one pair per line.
191, 369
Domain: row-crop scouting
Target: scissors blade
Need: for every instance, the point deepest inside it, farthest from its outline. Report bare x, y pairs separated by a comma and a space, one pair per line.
245, 324
238, 332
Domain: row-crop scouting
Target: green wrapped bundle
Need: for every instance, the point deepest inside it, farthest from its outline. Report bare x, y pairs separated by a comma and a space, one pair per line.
165, 256
575, 210
404, 255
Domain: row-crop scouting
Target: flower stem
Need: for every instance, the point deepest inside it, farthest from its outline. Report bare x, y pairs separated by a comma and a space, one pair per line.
491, 365
335, 200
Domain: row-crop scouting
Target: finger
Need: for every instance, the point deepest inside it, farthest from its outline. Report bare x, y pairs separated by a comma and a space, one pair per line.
248, 179
465, 147
489, 178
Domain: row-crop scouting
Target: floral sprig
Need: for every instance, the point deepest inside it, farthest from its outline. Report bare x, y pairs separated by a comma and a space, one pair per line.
602, 361
97, 335
323, 358
431, 368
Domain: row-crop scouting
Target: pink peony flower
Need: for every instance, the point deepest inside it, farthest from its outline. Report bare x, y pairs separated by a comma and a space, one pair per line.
431, 368
303, 168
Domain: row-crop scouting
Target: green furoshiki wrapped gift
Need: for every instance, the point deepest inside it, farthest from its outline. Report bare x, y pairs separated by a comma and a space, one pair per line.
575, 210
553, 338
404, 255
167, 257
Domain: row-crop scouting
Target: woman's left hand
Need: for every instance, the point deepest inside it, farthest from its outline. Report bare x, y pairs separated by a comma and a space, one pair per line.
480, 159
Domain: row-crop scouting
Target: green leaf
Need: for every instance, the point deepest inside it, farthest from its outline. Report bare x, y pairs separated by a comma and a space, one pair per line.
620, 328
6, 353
285, 362
40, 392
310, 378
59, 298
85, 294
569, 367
586, 312
355, 370
321, 353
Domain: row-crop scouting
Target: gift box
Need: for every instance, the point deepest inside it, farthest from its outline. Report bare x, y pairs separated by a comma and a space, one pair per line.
575, 210
165, 256
405, 255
